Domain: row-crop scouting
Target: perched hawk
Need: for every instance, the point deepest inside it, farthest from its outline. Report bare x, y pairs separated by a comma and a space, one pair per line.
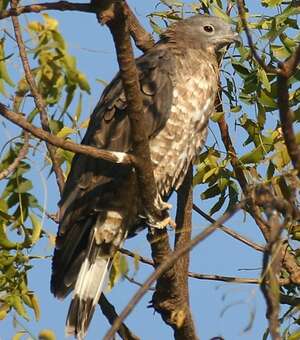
101, 205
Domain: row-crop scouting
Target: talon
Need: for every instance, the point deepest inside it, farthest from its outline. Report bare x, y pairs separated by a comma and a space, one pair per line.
164, 223
160, 204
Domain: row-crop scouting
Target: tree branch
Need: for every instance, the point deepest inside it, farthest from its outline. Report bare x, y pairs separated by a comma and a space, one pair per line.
143, 40
38, 99
110, 313
272, 261
286, 114
113, 14
242, 15
164, 266
111, 156
183, 234
22, 154
37, 8
229, 231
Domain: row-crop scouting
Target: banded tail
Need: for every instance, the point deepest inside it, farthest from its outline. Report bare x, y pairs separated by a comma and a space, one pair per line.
82, 261
89, 285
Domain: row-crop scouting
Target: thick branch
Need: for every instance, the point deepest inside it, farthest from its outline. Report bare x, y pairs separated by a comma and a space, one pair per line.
22, 154
38, 99
110, 313
143, 40
272, 262
165, 265
182, 237
18, 119
171, 297
113, 14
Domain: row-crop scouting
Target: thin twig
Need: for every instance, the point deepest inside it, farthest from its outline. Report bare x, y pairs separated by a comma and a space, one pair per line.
38, 99
165, 266
287, 114
238, 169
110, 313
111, 156
210, 277
141, 37
36, 8
242, 14
132, 280
21, 155
229, 231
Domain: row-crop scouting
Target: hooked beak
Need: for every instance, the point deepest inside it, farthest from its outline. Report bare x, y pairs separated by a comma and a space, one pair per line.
232, 38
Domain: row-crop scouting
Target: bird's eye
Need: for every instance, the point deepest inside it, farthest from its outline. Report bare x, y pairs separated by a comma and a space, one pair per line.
208, 28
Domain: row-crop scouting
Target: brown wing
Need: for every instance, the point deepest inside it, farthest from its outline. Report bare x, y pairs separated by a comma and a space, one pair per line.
95, 185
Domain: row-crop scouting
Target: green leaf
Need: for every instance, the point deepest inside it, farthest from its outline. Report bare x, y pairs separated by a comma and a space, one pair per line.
254, 156
5, 243
19, 335
24, 185
18, 305
216, 207
262, 76
3, 70
65, 131
240, 68
47, 334
36, 228
294, 336
78, 110
215, 117
83, 83
211, 192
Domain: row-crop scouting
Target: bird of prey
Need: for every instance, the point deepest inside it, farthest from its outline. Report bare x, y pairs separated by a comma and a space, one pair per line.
101, 205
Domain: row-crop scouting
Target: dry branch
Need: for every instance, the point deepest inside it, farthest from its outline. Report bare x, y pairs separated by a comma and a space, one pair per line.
210, 277
166, 265
230, 232
38, 99
286, 114
37, 8
242, 15
21, 155
113, 14
143, 39
110, 313
111, 156
171, 297
183, 234
272, 259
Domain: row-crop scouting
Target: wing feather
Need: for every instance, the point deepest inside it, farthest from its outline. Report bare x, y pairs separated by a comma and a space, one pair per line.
95, 185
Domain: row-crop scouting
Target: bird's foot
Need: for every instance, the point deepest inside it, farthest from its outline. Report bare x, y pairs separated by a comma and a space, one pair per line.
160, 222
164, 223
160, 204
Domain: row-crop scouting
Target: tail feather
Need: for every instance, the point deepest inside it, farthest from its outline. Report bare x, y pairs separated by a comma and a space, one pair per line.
89, 286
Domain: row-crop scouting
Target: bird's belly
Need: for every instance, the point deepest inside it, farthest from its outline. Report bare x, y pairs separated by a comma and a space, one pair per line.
182, 137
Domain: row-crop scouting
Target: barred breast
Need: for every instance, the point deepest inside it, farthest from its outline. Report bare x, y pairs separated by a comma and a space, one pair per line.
177, 144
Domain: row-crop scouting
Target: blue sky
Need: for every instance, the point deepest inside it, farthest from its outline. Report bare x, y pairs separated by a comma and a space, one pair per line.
219, 309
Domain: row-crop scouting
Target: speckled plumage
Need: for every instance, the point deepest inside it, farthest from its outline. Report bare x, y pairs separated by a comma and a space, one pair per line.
184, 133
101, 205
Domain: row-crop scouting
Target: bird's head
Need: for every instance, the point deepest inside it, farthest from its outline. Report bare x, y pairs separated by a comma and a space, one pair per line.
205, 32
